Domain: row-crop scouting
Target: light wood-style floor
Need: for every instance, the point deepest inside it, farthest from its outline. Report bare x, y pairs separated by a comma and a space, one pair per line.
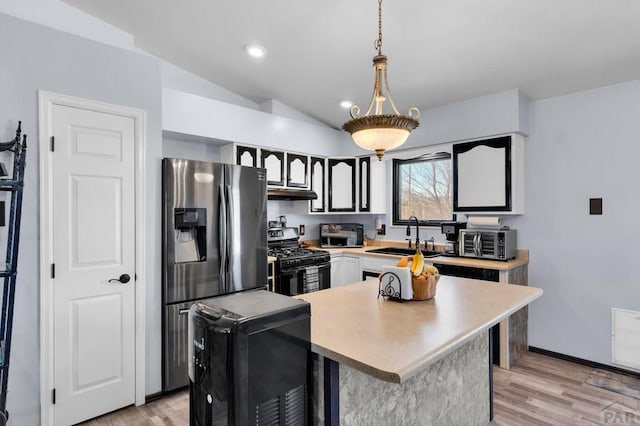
538, 390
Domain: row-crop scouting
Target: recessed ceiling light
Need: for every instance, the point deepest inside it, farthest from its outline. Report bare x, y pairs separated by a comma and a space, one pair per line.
255, 50
346, 103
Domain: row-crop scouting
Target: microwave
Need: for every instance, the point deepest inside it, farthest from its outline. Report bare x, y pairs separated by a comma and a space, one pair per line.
496, 244
341, 235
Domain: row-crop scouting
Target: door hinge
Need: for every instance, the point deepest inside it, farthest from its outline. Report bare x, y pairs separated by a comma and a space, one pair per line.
53, 396
53, 143
53, 270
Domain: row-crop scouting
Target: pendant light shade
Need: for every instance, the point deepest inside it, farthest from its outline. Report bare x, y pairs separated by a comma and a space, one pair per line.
377, 131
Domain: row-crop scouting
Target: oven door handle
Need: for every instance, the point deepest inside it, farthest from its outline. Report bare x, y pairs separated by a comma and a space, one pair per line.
477, 244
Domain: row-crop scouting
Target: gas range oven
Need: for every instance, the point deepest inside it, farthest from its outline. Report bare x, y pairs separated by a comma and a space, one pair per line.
297, 270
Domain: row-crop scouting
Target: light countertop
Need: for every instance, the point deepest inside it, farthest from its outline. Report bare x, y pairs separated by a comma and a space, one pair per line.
393, 341
521, 259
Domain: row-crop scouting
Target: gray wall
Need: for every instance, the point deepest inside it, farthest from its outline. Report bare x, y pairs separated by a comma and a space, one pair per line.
581, 146
37, 58
177, 147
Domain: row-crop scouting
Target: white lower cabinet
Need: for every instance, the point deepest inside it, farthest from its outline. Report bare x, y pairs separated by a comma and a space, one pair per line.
336, 270
350, 269
371, 267
344, 270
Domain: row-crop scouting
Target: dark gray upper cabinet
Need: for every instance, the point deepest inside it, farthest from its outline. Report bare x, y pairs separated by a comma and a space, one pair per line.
488, 176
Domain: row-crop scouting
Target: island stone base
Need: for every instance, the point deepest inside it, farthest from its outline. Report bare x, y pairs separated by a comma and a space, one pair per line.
453, 391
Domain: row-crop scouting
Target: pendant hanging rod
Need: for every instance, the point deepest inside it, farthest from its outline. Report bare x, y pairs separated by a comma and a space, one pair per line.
376, 130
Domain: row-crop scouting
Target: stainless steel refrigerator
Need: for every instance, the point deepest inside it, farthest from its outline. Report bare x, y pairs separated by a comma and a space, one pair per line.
214, 226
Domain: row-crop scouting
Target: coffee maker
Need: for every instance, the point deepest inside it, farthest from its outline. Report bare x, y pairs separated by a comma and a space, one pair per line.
451, 232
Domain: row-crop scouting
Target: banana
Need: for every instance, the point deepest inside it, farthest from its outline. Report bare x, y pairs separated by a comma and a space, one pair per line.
418, 263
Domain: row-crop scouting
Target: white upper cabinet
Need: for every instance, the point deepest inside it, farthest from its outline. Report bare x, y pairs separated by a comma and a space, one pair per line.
342, 184
246, 156
318, 168
355, 185
488, 176
283, 168
372, 185
297, 170
273, 161
349, 184
364, 181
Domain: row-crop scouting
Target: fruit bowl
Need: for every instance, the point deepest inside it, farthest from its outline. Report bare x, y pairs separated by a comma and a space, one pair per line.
424, 286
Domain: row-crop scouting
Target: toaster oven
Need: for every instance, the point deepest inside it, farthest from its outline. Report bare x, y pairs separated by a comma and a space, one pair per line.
488, 243
341, 235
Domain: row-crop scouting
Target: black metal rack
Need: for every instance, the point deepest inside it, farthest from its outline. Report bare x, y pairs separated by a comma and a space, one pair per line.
13, 184
388, 290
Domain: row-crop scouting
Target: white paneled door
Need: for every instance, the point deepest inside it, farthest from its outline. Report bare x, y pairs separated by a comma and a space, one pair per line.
93, 189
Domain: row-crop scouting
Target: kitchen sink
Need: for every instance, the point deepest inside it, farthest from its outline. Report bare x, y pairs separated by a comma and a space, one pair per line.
397, 251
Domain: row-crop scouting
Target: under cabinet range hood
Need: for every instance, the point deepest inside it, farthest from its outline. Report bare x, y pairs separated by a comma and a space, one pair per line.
290, 194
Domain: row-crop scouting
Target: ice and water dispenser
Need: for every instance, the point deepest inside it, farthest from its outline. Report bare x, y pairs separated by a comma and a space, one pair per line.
190, 235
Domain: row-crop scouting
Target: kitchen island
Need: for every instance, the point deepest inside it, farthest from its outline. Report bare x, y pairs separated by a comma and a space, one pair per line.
510, 336
416, 362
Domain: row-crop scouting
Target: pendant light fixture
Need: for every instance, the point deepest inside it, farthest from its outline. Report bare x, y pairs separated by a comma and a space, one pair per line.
377, 131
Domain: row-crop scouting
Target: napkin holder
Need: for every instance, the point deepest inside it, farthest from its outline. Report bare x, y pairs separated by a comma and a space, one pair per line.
395, 283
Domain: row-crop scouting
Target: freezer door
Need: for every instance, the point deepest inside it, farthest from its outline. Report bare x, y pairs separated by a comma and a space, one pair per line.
191, 193
175, 356
245, 256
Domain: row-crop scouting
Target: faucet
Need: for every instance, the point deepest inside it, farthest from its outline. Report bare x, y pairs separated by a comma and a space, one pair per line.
417, 231
433, 244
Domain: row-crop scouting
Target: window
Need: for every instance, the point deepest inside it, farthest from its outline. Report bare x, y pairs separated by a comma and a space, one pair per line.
422, 188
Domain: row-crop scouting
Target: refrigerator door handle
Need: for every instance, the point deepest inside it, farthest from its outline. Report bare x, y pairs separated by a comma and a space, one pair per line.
230, 233
222, 237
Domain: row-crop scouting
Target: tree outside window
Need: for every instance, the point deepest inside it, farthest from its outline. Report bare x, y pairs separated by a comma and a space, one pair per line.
423, 188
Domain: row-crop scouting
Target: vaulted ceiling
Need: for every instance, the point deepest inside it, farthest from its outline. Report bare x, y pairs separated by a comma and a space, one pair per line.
439, 50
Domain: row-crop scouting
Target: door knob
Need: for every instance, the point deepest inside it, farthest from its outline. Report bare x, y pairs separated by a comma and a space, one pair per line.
124, 278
